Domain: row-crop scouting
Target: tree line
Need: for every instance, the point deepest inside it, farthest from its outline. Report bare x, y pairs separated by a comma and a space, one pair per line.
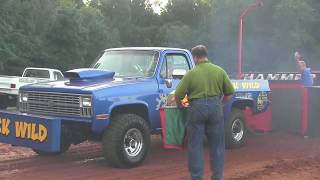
67, 34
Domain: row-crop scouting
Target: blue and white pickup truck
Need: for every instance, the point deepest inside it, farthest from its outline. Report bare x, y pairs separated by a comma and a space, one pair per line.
117, 102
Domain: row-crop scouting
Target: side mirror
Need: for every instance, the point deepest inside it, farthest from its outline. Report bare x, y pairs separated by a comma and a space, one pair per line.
168, 83
178, 73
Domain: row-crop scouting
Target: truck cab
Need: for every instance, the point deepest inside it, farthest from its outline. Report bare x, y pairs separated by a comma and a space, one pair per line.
116, 102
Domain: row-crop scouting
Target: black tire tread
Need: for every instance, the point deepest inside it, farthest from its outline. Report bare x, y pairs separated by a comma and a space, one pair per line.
112, 151
230, 144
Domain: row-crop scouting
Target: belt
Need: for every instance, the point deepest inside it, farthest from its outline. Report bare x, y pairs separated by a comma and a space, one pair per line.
206, 98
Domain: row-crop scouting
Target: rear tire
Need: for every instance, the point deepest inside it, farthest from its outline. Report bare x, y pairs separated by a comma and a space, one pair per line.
126, 142
4, 101
235, 130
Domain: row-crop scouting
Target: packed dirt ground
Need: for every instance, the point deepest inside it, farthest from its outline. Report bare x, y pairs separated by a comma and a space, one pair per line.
268, 157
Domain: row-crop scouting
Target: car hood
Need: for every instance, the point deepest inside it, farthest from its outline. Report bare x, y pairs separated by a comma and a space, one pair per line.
80, 87
83, 81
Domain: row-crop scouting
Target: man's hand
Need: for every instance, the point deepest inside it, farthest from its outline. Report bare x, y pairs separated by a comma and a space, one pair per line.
184, 103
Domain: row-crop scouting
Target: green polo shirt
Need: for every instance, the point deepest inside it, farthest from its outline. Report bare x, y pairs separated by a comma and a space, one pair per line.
205, 80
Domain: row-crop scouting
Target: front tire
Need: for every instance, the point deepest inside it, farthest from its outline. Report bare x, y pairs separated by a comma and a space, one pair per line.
126, 142
235, 130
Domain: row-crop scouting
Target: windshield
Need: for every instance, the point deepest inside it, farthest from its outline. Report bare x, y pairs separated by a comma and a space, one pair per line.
129, 63
37, 73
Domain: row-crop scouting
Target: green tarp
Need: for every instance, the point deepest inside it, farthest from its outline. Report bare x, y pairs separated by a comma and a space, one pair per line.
173, 122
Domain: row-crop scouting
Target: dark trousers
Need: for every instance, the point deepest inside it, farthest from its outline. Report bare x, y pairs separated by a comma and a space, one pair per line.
205, 117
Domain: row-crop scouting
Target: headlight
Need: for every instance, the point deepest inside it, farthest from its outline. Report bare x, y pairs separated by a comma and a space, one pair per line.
86, 101
23, 97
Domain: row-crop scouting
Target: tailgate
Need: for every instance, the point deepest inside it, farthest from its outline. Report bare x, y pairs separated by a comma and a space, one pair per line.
6, 81
36, 132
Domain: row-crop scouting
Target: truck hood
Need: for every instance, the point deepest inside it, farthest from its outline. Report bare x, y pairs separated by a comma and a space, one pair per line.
82, 81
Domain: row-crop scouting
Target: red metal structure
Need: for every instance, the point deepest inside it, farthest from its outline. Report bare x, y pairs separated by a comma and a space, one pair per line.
244, 13
295, 108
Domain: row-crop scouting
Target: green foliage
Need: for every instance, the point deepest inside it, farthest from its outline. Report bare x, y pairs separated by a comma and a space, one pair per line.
68, 34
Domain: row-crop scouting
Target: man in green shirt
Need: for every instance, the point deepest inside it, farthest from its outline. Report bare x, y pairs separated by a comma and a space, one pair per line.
205, 86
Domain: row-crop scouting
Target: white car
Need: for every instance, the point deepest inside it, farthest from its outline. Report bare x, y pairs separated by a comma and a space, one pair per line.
9, 85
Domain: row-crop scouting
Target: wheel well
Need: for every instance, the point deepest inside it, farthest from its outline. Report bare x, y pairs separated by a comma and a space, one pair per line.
242, 104
138, 109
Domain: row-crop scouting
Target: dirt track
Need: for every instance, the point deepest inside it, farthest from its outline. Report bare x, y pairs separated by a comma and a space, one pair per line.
272, 156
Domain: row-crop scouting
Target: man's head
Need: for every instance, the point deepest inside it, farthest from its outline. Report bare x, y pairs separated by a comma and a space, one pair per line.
199, 53
301, 65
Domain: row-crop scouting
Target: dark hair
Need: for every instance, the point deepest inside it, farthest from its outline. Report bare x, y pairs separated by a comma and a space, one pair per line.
199, 51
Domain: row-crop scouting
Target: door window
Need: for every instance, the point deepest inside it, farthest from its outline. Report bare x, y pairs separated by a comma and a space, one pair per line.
172, 62
57, 76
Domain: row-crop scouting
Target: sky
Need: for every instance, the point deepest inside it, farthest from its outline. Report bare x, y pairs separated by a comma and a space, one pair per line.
158, 4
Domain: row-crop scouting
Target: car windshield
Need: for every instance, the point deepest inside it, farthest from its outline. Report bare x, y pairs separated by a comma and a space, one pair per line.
129, 63
37, 73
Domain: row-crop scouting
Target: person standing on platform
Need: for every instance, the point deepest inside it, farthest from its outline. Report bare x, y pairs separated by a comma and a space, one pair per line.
306, 74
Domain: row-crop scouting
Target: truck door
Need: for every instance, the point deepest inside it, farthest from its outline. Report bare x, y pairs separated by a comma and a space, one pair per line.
171, 61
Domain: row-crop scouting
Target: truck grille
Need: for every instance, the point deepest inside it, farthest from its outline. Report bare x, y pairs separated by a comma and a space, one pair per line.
55, 104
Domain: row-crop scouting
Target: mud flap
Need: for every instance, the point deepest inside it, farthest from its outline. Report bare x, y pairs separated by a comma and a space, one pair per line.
36, 132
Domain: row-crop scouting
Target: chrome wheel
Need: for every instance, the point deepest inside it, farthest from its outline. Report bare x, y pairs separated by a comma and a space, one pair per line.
133, 142
237, 129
